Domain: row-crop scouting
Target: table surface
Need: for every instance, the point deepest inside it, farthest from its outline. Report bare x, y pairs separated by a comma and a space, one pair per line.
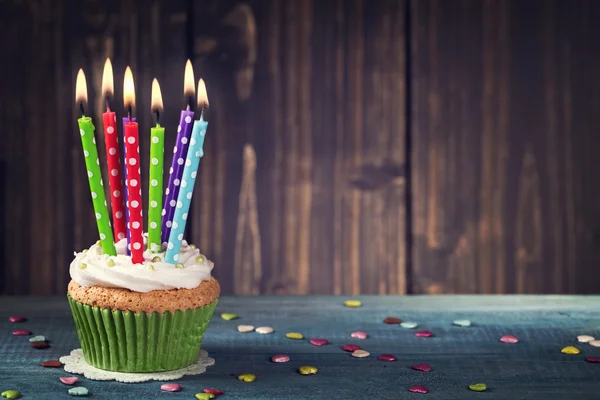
534, 368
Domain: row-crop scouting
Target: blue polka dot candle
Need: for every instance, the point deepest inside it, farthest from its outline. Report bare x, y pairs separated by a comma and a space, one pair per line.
182, 206
180, 151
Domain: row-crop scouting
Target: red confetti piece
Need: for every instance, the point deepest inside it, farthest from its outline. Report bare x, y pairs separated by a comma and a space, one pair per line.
21, 332
68, 380
280, 358
509, 339
392, 320
424, 334
171, 387
350, 347
387, 357
359, 335
51, 364
216, 392
422, 367
318, 342
40, 345
593, 359
17, 319
418, 389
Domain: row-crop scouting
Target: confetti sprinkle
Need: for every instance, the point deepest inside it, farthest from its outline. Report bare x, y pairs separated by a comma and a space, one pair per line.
350, 347
424, 334
51, 364
570, 350
280, 358
478, 387
294, 335
307, 370
422, 367
360, 353
584, 338
247, 377
593, 359
40, 345
78, 391
462, 322
21, 332
392, 320
17, 319
408, 325
595, 343
418, 389
229, 316
319, 342
245, 328
170, 387
509, 339
216, 392
204, 396
38, 338
352, 303
264, 330
68, 380
359, 335
387, 357
11, 394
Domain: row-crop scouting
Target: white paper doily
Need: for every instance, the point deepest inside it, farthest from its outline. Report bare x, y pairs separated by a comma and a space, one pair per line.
76, 364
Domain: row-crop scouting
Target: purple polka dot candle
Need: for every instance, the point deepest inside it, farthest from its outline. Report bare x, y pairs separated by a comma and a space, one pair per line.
180, 150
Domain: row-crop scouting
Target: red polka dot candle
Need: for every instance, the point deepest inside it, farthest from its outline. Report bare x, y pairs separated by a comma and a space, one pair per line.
111, 139
92, 164
134, 183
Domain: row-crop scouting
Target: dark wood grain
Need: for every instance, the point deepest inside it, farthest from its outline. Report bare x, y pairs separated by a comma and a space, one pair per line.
501, 173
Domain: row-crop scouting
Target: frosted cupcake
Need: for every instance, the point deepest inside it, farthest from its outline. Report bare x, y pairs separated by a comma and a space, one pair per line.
145, 317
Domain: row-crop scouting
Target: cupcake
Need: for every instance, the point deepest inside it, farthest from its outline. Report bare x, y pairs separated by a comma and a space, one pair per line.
146, 317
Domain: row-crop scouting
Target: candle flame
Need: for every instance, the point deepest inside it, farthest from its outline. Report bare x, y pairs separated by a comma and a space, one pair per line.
202, 96
188, 80
81, 88
128, 89
157, 103
108, 87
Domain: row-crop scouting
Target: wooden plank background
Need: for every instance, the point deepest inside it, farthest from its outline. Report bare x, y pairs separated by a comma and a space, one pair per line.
418, 146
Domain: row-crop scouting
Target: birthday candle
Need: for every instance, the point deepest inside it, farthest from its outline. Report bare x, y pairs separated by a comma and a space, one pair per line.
180, 151
195, 152
157, 142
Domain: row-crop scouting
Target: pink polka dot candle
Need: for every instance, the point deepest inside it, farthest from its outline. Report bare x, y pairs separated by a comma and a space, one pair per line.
134, 183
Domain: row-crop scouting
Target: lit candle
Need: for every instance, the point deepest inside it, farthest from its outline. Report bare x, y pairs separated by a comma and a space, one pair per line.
132, 165
112, 155
157, 146
179, 153
92, 164
188, 180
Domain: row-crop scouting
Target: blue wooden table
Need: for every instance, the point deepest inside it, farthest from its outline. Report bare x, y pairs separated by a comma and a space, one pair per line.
534, 368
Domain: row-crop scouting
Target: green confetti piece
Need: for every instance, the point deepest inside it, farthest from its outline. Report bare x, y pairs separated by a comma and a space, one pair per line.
38, 338
110, 262
11, 394
157, 146
229, 316
78, 391
205, 396
462, 322
478, 387
150, 267
294, 335
92, 163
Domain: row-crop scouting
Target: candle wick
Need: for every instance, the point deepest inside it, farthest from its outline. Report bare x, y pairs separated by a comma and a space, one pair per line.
82, 109
157, 112
129, 112
107, 104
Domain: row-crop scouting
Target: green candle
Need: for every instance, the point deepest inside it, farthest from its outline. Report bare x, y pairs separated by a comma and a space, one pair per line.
92, 163
157, 146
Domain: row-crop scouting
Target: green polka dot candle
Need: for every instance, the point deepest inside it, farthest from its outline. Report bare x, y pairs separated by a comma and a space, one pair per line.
92, 163
157, 147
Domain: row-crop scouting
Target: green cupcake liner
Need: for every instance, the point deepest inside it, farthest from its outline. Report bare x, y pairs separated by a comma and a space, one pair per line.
124, 341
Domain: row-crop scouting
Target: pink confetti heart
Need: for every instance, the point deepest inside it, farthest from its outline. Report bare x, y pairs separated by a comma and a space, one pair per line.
424, 334
280, 358
359, 335
68, 380
171, 387
387, 357
216, 392
422, 367
22, 332
350, 347
509, 339
17, 319
593, 359
418, 389
318, 342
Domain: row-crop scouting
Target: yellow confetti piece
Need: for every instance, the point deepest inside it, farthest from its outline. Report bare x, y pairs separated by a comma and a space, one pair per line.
352, 303
570, 350
247, 377
294, 335
307, 370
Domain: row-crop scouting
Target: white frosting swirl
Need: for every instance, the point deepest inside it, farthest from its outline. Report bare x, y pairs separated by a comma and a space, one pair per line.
137, 277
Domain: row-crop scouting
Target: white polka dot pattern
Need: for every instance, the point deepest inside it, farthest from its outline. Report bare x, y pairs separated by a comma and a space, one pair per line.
133, 194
